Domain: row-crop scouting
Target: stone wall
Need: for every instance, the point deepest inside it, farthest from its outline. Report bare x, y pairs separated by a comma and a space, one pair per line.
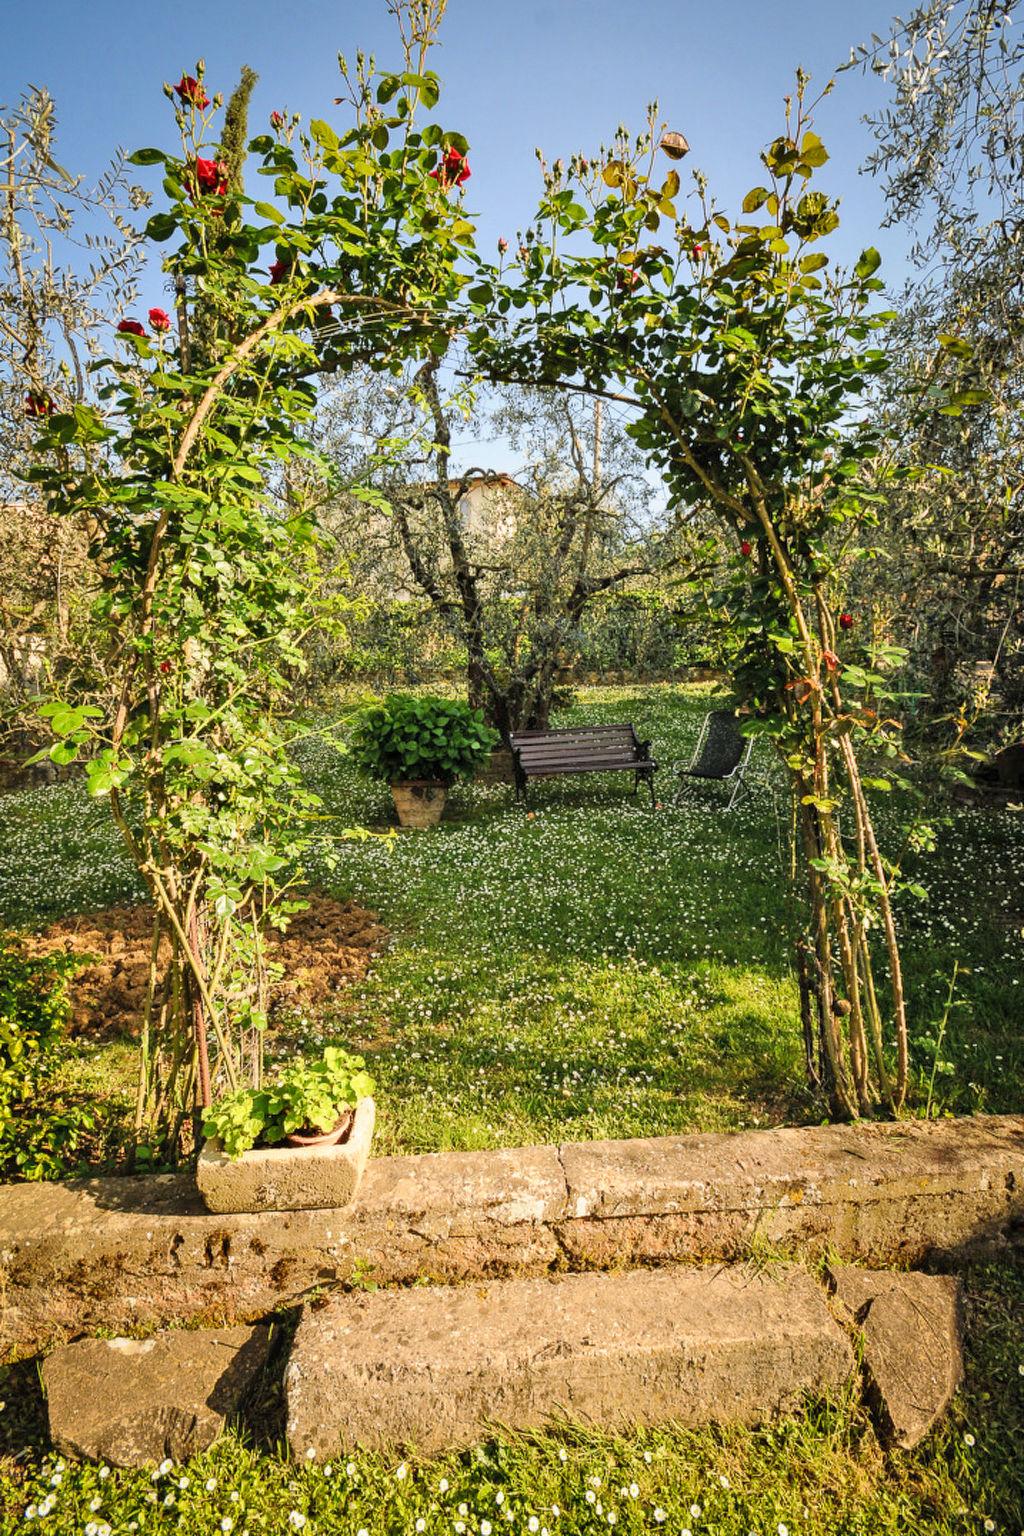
134, 1252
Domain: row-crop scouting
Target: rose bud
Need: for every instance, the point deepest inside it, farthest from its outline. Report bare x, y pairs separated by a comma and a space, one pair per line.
502, 246
627, 280
165, 667
277, 119
131, 328
846, 621
39, 405
160, 320
746, 548
189, 90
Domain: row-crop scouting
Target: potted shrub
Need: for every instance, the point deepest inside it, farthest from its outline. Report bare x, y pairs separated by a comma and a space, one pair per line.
420, 746
299, 1142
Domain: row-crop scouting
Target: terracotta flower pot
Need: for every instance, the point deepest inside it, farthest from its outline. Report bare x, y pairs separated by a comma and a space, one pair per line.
323, 1138
419, 802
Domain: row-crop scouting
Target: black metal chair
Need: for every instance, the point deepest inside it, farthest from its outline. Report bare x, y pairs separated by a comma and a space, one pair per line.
720, 756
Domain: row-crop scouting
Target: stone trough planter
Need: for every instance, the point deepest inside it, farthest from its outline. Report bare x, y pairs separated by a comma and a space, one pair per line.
287, 1178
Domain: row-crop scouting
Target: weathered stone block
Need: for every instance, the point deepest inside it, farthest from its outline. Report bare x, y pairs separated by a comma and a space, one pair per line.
287, 1178
911, 1327
117, 1253
434, 1367
133, 1401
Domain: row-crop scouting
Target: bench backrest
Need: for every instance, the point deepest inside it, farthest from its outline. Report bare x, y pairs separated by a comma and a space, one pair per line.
585, 744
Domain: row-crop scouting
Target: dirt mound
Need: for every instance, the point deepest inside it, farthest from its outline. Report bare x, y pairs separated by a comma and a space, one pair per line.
326, 948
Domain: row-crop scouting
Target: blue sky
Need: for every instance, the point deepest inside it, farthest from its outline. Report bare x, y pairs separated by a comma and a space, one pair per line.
517, 73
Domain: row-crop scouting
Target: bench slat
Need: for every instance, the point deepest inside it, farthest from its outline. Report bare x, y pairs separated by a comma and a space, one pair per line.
532, 749
570, 759
576, 730
552, 770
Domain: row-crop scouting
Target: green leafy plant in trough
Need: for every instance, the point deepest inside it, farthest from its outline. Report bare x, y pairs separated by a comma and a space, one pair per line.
407, 738
307, 1096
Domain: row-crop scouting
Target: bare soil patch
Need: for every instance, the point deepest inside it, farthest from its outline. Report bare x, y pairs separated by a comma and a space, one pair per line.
326, 948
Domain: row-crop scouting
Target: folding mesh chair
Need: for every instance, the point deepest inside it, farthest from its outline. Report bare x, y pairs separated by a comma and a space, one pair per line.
720, 757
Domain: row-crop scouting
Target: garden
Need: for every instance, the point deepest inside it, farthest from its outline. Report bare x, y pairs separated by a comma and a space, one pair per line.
353, 790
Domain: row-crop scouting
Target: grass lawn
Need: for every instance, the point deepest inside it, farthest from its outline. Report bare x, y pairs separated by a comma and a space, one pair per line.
597, 970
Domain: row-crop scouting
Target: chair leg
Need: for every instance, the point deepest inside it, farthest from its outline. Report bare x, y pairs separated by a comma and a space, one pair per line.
740, 787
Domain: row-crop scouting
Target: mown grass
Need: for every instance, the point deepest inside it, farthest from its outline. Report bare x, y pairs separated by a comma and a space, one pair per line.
820, 1473
599, 969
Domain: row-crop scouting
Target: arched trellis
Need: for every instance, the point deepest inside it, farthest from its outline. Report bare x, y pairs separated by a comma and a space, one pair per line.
206, 591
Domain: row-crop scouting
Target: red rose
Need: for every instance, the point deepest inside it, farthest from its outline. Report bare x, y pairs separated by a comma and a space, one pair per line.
277, 119
453, 170
278, 272
212, 176
39, 405
165, 667
746, 548
189, 89
131, 328
846, 621
160, 320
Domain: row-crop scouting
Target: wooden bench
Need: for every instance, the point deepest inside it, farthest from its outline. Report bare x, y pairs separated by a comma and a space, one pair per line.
581, 749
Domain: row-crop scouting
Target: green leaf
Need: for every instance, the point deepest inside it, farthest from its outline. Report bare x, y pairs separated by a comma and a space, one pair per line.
756, 198
956, 346
160, 227
323, 134
814, 262
147, 157
268, 211
812, 150
868, 262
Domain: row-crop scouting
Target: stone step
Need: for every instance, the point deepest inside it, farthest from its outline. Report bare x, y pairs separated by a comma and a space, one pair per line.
433, 1367
910, 1330
131, 1402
